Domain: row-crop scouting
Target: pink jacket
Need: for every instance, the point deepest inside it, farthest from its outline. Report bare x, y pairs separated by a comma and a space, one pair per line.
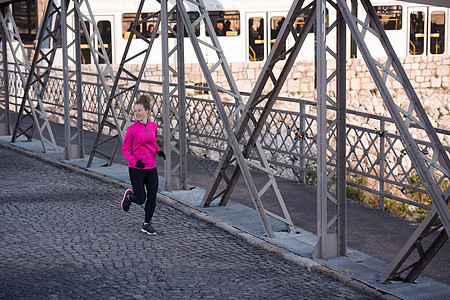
140, 143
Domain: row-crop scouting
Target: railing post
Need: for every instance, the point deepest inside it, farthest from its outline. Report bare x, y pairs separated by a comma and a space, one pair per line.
99, 102
302, 142
18, 88
381, 161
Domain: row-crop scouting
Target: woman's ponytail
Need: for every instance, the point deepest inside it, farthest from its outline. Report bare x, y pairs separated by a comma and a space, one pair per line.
144, 100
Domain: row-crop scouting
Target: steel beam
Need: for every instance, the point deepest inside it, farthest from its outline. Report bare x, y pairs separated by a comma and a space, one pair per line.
326, 245
341, 131
233, 143
432, 167
396, 269
74, 142
248, 124
37, 81
182, 126
13, 47
165, 91
5, 123
174, 103
79, 134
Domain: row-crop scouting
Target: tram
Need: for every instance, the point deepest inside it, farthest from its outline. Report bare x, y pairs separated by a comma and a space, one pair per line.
247, 31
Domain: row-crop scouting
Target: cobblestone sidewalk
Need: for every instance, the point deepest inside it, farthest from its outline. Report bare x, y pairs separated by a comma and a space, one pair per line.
64, 236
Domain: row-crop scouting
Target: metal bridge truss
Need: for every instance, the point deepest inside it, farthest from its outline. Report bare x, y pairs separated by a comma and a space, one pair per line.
174, 117
236, 137
9, 34
35, 112
253, 120
57, 18
431, 164
34, 87
247, 133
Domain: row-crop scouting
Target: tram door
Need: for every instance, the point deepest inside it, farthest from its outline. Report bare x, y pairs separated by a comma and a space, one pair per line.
262, 31
104, 25
275, 20
427, 34
256, 36
438, 35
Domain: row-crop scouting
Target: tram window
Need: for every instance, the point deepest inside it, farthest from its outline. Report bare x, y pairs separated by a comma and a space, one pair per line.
226, 23
437, 32
172, 20
24, 13
417, 33
275, 26
256, 38
104, 28
85, 52
390, 16
146, 27
301, 20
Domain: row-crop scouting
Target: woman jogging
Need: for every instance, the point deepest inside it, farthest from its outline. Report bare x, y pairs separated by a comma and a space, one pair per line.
140, 149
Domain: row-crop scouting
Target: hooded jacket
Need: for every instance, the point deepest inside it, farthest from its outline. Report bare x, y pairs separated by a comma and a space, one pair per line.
140, 143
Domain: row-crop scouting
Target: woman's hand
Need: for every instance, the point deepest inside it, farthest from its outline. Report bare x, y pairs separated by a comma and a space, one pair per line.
139, 164
161, 154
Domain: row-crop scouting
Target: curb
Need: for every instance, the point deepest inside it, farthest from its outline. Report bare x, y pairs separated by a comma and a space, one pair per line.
243, 235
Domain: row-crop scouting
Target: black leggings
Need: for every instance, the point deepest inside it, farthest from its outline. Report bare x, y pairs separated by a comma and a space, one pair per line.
148, 178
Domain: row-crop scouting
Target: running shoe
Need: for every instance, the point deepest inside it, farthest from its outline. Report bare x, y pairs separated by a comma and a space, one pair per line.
147, 228
126, 202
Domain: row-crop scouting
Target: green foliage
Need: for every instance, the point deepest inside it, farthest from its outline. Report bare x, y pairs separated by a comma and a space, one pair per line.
396, 208
360, 195
391, 206
436, 223
311, 179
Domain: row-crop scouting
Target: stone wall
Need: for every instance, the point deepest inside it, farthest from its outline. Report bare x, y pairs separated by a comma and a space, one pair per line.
430, 77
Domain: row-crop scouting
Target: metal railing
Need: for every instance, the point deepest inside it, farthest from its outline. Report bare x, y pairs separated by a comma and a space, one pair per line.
376, 161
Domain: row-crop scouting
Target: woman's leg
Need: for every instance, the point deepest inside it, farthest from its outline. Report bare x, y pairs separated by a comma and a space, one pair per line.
151, 182
137, 178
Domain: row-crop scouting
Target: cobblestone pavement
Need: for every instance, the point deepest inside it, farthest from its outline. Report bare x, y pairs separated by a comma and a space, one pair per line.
64, 236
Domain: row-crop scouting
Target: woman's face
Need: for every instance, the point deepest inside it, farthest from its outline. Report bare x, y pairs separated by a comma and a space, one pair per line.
140, 113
